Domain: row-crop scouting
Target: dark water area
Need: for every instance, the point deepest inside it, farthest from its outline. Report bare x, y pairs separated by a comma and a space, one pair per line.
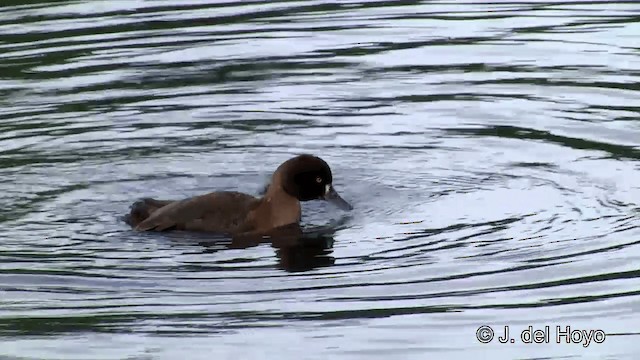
491, 151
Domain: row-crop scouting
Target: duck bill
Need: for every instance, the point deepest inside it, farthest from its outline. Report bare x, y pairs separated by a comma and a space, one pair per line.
332, 196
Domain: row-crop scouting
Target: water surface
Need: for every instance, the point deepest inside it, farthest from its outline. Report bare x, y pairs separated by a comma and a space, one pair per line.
490, 149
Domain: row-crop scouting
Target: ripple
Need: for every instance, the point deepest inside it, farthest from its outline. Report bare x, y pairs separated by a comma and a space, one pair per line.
490, 151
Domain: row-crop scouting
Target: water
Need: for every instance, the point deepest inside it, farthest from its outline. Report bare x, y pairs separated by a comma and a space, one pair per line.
490, 150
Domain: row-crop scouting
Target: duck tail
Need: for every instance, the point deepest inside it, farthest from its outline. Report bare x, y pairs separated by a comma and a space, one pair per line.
142, 209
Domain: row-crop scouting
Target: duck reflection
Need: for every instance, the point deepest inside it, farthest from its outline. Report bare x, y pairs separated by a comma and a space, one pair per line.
304, 253
296, 250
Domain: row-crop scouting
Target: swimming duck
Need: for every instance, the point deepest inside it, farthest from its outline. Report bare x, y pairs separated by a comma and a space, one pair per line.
302, 178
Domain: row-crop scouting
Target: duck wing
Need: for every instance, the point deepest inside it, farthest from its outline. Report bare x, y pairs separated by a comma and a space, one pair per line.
222, 212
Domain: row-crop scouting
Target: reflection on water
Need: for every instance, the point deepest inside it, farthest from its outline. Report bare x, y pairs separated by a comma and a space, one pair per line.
490, 151
295, 251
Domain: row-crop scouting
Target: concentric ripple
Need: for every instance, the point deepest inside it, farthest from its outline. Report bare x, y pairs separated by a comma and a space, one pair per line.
491, 151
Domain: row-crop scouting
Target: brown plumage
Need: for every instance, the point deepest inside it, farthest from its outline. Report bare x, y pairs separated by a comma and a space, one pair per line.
302, 178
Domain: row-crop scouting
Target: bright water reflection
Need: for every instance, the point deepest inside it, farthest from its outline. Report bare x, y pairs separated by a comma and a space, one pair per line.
490, 149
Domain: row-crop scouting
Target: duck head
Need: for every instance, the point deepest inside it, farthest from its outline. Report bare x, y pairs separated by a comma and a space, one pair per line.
307, 177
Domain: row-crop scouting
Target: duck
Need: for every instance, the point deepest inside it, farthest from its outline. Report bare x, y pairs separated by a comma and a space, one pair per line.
302, 178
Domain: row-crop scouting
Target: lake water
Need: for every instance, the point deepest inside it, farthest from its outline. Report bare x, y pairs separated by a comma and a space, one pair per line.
491, 151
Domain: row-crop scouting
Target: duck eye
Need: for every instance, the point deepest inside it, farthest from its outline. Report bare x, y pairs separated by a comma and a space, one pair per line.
318, 179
